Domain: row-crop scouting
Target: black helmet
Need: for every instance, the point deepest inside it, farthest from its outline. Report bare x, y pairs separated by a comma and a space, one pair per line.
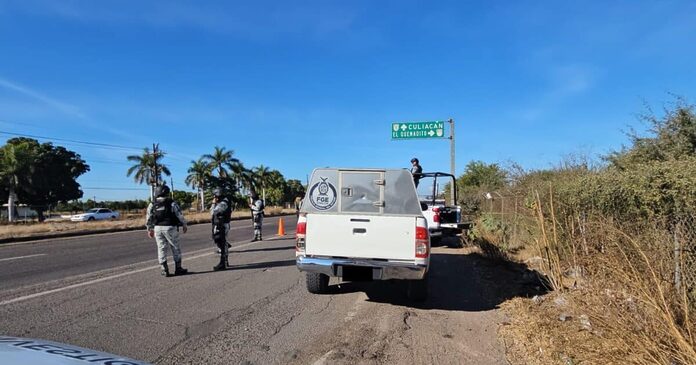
162, 191
217, 192
414, 160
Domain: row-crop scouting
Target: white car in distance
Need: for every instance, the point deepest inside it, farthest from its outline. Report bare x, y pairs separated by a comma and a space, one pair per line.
95, 214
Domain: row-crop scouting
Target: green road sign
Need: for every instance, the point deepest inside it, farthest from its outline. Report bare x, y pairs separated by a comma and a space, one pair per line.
413, 130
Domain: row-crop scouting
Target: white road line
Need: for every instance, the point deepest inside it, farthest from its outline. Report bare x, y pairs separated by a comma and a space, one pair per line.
22, 257
40, 294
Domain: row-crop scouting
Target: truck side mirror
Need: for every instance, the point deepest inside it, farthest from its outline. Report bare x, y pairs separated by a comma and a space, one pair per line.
424, 206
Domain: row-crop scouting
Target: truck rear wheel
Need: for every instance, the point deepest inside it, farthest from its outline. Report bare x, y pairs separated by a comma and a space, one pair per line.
317, 283
456, 242
417, 290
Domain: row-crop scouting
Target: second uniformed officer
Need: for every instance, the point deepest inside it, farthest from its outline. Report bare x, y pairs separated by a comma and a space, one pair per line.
256, 207
220, 212
163, 220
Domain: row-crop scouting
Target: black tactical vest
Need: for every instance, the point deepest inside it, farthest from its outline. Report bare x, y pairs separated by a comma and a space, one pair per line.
224, 216
164, 216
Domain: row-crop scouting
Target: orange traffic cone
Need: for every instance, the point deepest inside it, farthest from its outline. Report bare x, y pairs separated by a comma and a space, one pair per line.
281, 228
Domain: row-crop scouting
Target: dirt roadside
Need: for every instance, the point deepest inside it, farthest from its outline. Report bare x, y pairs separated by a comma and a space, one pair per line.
58, 229
457, 324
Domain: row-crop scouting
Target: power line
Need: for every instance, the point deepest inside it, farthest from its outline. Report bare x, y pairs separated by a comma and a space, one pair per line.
106, 145
93, 188
108, 162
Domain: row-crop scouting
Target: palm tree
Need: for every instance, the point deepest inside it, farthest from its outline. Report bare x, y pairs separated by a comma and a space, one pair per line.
144, 168
14, 162
198, 174
242, 176
220, 160
260, 177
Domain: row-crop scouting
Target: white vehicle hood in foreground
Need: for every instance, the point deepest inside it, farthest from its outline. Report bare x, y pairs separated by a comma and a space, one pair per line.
22, 351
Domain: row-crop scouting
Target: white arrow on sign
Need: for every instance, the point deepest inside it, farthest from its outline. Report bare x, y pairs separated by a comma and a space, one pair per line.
403, 127
431, 133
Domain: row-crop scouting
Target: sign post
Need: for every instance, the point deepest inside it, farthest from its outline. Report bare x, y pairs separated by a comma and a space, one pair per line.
451, 138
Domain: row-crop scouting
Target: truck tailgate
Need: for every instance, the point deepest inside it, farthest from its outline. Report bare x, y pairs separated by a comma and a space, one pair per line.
361, 236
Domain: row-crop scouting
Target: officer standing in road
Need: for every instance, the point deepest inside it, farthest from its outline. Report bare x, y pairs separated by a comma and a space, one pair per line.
416, 171
221, 212
163, 220
256, 207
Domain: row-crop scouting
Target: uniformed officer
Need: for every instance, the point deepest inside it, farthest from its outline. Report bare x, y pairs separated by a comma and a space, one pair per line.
163, 220
221, 212
256, 207
416, 171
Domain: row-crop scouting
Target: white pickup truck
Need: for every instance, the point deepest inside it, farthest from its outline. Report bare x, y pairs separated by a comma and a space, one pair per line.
440, 208
363, 224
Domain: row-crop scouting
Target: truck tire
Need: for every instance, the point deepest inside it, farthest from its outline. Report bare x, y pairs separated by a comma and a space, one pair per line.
317, 283
417, 290
456, 242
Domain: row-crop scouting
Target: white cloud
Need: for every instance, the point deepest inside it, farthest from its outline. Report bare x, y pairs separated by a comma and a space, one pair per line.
564, 83
64, 107
265, 19
19, 110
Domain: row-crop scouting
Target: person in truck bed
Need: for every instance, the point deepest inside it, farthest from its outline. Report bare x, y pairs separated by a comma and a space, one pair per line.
416, 171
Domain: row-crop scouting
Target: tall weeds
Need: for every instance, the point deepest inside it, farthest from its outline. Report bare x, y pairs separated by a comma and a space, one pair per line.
639, 316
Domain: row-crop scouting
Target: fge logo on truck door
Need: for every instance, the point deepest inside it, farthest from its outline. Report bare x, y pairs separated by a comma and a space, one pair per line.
322, 195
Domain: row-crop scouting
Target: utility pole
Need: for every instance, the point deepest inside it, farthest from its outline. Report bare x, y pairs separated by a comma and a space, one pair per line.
452, 170
171, 180
154, 178
154, 162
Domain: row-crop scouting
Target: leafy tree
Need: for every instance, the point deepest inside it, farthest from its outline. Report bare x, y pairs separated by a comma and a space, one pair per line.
478, 174
227, 184
478, 177
242, 175
144, 169
49, 173
275, 187
197, 176
671, 137
15, 163
259, 176
184, 198
293, 189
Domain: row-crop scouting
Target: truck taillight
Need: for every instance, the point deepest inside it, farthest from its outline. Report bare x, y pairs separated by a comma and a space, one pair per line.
301, 228
436, 216
422, 242
301, 233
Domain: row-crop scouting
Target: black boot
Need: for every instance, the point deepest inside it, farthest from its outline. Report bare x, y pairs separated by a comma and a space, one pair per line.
165, 269
179, 270
222, 265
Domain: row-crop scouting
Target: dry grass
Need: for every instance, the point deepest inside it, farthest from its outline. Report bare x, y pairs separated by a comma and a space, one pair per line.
9, 231
621, 309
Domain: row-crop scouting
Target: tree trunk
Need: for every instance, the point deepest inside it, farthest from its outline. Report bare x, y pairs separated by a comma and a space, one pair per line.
40, 214
202, 198
10, 205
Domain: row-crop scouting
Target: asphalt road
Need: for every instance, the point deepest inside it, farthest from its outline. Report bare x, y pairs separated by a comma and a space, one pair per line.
104, 292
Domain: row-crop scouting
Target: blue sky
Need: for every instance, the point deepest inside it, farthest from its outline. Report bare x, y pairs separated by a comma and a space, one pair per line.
298, 85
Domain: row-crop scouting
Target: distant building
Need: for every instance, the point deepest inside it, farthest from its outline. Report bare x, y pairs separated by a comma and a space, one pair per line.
22, 211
